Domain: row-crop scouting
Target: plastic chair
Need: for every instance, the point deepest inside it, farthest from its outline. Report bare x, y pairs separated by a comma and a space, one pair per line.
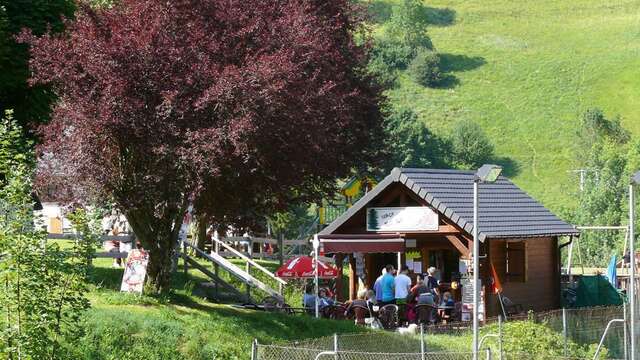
360, 313
388, 316
334, 311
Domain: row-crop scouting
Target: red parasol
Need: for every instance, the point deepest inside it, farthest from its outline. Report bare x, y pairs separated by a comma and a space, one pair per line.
302, 267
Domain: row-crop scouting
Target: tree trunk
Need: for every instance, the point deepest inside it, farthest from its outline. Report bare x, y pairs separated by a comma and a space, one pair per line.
158, 236
201, 233
158, 279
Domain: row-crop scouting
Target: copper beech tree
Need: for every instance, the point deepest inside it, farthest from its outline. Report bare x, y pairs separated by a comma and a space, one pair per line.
239, 106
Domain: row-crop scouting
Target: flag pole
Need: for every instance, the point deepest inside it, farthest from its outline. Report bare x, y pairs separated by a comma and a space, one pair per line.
502, 304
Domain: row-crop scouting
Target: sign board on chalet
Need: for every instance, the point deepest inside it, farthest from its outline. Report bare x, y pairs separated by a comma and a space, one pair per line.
411, 218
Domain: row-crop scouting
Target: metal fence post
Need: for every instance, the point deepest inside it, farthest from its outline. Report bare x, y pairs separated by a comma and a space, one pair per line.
625, 329
564, 330
254, 350
488, 356
335, 346
422, 344
500, 336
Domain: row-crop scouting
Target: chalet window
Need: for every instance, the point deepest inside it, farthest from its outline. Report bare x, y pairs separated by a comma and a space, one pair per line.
516, 261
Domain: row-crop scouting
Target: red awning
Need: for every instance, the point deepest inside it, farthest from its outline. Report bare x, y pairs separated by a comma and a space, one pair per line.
362, 243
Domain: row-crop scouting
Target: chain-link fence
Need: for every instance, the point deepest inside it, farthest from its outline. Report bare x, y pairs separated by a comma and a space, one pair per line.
581, 326
329, 348
363, 346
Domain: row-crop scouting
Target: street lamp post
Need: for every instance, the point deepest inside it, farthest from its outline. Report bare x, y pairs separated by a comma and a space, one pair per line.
316, 246
486, 174
635, 180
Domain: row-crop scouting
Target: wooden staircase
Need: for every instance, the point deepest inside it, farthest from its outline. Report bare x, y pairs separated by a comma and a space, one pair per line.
220, 289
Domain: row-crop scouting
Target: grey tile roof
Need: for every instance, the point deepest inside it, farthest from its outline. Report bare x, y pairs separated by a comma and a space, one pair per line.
505, 210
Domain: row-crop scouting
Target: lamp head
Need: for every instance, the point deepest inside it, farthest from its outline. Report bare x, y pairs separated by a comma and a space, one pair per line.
488, 173
635, 179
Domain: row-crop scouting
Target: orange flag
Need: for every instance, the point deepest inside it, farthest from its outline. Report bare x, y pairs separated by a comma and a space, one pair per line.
497, 286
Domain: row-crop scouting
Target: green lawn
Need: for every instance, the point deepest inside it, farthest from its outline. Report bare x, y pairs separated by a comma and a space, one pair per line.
181, 325
525, 71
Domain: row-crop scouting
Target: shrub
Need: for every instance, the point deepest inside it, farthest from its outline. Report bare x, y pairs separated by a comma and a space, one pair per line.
538, 341
394, 54
382, 72
470, 145
42, 293
410, 141
425, 67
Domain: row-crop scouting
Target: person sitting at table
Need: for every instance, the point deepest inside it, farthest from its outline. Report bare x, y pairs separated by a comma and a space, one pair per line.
447, 300
371, 298
360, 308
446, 306
324, 300
309, 299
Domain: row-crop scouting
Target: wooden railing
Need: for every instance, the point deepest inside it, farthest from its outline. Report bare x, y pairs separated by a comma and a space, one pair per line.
100, 254
250, 261
243, 275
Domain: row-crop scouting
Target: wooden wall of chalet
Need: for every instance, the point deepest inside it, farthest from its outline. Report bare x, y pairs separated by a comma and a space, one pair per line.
541, 289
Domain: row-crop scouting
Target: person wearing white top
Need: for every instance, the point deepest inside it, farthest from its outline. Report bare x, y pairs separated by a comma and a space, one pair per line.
402, 284
402, 287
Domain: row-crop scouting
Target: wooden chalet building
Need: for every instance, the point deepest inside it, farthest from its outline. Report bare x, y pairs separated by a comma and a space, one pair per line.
424, 217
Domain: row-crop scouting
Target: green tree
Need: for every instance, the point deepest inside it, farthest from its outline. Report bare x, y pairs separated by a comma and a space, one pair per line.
603, 150
595, 129
14, 148
290, 224
410, 142
408, 24
31, 103
41, 285
470, 145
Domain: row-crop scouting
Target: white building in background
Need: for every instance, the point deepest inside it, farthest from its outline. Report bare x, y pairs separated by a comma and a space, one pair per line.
52, 217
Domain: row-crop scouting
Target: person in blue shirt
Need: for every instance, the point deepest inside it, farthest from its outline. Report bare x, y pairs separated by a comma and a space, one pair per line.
309, 299
387, 286
377, 286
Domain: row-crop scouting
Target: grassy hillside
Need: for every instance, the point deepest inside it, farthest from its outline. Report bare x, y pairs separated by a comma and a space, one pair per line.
526, 71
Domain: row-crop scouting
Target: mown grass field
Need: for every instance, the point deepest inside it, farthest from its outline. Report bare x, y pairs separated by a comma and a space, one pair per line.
526, 71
